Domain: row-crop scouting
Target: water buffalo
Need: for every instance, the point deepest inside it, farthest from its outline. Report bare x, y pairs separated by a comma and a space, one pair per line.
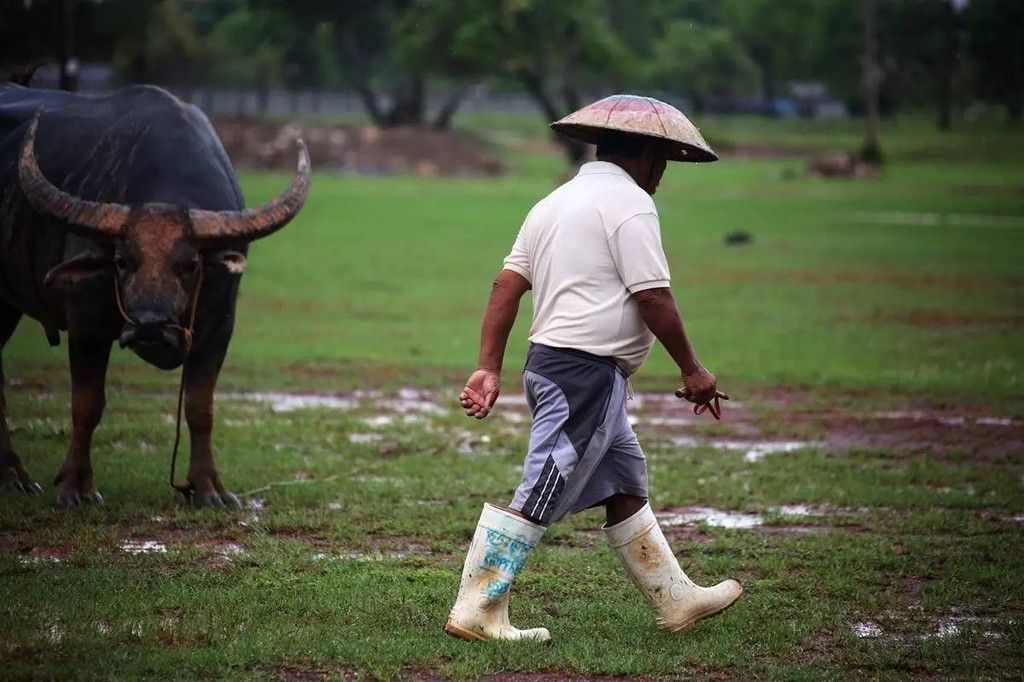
122, 219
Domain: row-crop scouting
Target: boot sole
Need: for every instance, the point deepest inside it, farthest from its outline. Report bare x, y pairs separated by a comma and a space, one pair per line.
711, 613
461, 633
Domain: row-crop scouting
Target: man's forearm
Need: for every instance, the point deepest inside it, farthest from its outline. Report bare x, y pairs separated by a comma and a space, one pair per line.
502, 309
661, 315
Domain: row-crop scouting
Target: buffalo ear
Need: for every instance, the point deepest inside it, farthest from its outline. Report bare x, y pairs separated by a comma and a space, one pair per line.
233, 261
82, 266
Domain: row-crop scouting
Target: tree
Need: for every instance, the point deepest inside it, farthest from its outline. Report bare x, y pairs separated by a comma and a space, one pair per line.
995, 41
554, 50
775, 34
362, 36
872, 149
700, 61
248, 49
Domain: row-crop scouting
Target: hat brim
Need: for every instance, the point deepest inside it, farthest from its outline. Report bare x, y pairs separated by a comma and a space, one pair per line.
676, 150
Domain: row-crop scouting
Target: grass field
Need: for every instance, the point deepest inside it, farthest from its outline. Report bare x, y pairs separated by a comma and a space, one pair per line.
870, 334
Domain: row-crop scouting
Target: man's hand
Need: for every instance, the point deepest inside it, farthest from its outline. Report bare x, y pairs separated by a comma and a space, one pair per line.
480, 393
700, 388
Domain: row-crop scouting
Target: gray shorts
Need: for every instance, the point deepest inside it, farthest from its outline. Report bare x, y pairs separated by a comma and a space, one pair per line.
582, 448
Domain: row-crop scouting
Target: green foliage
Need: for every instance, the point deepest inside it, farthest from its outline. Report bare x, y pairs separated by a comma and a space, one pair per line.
566, 43
699, 61
248, 48
996, 45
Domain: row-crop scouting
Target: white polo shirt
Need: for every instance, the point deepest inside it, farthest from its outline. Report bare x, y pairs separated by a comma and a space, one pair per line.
585, 248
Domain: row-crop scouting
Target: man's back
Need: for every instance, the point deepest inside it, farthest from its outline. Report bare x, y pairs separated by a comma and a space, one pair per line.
585, 249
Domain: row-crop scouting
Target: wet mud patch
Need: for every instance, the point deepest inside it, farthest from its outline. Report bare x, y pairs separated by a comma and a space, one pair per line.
685, 522
766, 424
43, 556
378, 549
913, 627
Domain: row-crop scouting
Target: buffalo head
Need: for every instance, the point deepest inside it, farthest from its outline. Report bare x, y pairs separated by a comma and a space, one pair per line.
157, 250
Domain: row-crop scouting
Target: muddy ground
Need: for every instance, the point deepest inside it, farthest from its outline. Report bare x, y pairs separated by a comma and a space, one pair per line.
364, 150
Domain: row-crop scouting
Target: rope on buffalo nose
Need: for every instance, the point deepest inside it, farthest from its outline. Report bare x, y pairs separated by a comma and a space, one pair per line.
188, 335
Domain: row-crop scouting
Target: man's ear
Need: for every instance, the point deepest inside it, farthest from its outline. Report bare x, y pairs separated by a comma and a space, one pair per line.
77, 268
233, 261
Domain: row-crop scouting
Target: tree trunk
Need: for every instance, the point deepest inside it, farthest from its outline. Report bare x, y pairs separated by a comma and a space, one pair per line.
262, 90
872, 149
947, 65
1015, 108
66, 45
443, 120
576, 152
409, 104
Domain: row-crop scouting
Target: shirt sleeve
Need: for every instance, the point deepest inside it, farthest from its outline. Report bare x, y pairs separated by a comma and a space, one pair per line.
518, 260
638, 255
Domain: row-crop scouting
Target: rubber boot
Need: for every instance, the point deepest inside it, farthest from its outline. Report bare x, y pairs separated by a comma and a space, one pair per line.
647, 557
501, 544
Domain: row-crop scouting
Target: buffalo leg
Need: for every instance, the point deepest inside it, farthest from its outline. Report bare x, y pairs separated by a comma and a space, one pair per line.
89, 359
13, 477
204, 484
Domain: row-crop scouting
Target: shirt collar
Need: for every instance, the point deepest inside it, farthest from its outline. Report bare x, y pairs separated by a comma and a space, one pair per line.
606, 168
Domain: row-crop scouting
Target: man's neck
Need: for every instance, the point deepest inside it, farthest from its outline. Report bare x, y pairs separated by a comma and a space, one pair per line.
634, 167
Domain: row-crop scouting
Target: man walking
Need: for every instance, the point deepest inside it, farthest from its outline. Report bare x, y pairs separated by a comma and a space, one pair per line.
591, 252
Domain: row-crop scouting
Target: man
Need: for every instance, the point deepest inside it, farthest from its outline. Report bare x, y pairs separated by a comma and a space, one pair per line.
591, 251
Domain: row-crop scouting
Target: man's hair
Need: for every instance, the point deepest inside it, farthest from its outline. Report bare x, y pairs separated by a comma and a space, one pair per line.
622, 145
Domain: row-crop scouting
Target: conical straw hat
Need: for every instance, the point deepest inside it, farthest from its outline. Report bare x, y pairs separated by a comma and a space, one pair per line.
637, 115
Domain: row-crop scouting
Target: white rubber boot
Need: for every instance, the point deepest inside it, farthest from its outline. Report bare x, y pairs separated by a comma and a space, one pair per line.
644, 551
501, 544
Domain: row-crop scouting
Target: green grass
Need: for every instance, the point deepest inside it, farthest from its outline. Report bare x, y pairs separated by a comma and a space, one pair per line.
826, 317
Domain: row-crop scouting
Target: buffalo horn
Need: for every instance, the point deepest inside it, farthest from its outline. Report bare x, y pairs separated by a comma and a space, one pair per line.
252, 224
89, 218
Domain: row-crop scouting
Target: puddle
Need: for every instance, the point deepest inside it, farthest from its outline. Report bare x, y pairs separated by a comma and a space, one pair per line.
143, 547
469, 443
289, 402
382, 420
55, 633
385, 480
710, 516
224, 552
994, 421
952, 626
867, 629
753, 451
356, 555
408, 400
918, 416
721, 518
363, 438
39, 556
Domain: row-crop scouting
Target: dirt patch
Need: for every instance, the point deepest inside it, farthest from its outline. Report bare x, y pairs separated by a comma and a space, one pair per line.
41, 556
310, 672
903, 280
926, 432
764, 151
933, 319
363, 150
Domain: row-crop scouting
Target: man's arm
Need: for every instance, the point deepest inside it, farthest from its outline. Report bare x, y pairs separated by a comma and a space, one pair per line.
483, 386
661, 315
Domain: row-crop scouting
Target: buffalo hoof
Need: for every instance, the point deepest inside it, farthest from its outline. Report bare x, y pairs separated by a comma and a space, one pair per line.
73, 499
221, 499
206, 491
14, 478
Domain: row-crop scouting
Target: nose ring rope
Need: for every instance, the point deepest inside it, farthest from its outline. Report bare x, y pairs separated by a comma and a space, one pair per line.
189, 335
